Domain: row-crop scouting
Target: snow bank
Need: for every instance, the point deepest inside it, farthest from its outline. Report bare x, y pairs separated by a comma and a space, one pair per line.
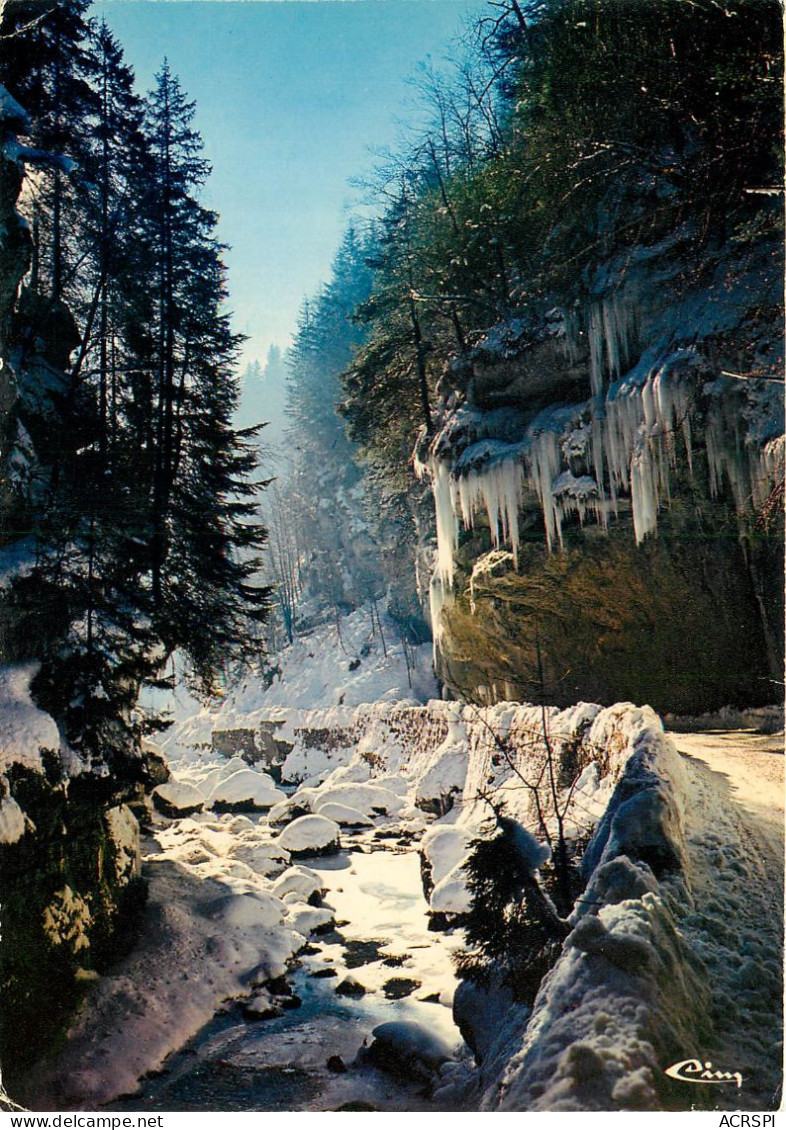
214, 928
626, 997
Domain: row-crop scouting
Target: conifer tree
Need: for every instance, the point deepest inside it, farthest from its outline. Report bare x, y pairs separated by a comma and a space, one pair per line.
143, 523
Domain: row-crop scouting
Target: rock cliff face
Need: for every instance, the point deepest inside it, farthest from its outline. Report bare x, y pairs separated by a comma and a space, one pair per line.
607, 485
69, 860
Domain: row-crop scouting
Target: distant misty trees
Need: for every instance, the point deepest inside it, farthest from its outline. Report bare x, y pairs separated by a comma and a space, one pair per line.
323, 560
263, 398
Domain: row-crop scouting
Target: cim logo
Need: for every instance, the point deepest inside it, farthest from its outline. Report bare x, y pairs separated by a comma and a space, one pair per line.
694, 1071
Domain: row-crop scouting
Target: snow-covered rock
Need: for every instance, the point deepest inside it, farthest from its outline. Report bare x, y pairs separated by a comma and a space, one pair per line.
280, 813
344, 815
306, 919
24, 729
369, 799
246, 788
401, 1045
447, 771
301, 881
178, 798
444, 848
12, 821
260, 857
247, 910
311, 835
451, 895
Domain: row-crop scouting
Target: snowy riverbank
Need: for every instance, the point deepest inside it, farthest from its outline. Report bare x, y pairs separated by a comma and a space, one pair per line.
240, 900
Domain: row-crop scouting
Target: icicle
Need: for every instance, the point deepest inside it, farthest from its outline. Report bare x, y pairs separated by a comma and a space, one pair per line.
611, 325
618, 325
447, 525
499, 489
672, 407
544, 462
596, 449
724, 455
577, 496
644, 495
438, 597
626, 443
595, 332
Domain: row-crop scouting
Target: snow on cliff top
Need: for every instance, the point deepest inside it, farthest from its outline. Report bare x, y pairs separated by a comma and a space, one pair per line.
24, 729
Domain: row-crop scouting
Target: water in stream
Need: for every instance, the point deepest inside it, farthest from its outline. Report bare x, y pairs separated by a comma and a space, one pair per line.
382, 942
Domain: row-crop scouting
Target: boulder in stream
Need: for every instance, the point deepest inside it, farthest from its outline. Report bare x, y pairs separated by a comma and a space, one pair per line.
403, 1047
311, 835
178, 798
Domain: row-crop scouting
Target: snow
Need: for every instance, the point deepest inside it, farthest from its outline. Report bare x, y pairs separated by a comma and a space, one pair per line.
310, 835
407, 1043
247, 911
676, 936
12, 821
444, 848
315, 671
306, 919
11, 113
369, 799
343, 815
247, 787
179, 797
751, 762
532, 853
314, 675
204, 936
24, 729
444, 777
451, 894
302, 881
660, 950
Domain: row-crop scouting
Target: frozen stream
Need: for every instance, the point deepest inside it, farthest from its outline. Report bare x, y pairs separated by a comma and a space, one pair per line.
382, 942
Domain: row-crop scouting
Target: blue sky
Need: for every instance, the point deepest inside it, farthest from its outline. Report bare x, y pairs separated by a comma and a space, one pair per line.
292, 95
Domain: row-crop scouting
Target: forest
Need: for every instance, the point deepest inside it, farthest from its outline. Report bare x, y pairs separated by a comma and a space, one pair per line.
524, 453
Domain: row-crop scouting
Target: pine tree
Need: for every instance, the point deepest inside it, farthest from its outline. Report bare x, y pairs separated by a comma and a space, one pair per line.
202, 543
144, 531
46, 62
